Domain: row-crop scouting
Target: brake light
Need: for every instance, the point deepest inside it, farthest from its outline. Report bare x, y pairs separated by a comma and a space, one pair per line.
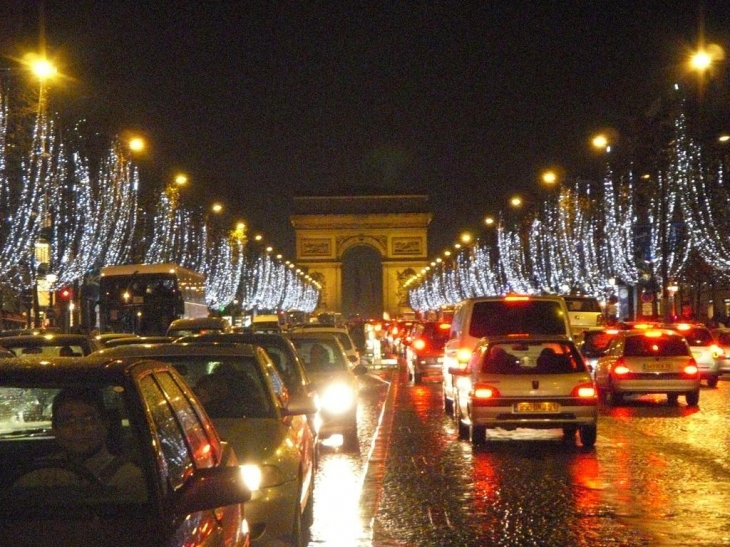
516, 298
682, 326
419, 344
584, 391
620, 368
653, 333
690, 369
482, 391
444, 326
463, 355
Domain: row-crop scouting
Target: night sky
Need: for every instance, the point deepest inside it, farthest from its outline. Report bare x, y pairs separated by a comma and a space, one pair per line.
463, 101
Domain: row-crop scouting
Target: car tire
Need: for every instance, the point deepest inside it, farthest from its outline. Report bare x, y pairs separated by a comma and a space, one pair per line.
712, 381
692, 397
672, 398
569, 434
417, 378
588, 435
477, 435
448, 405
462, 428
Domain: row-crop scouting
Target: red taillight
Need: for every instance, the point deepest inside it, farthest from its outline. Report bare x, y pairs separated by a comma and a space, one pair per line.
690, 369
620, 368
484, 392
419, 344
584, 391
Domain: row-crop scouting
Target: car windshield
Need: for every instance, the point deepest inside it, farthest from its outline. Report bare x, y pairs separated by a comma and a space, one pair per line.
501, 317
321, 354
532, 357
651, 346
38, 438
228, 387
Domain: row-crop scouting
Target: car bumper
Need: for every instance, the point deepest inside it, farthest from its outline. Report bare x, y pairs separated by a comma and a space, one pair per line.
655, 386
428, 365
270, 513
504, 415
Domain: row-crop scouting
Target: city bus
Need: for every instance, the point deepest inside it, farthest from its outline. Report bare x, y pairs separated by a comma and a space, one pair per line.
145, 298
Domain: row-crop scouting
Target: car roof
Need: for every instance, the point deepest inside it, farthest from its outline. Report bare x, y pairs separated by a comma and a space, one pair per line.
539, 339
51, 339
178, 349
40, 370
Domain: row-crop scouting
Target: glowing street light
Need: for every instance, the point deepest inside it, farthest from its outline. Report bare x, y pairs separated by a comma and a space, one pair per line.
217, 207
181, 179
489, 221
43, 69
136, 144
516, 201
601, 142
550, 177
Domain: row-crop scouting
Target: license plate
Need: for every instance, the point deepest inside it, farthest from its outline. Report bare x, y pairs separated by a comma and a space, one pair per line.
656, 367
537, 407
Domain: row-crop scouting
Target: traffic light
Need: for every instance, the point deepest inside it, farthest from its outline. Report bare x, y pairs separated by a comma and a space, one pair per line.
65, 293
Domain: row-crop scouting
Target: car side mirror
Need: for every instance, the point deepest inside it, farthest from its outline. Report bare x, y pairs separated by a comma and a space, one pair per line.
360, 369
211, 487
298, 405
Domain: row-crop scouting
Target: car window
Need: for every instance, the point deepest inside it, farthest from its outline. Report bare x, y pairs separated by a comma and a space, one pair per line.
699, 337
177, 461
597, 341
494, 318
582, 304
724, 338
331, 360
531, 358
644, 346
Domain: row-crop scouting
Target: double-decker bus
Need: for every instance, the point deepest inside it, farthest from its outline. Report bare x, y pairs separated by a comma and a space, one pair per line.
146, 298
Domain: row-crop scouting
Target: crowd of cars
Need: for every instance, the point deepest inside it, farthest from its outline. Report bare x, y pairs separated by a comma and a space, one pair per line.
185, 410
224, 427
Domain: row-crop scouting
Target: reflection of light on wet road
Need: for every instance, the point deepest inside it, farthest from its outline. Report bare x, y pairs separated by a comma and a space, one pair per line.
336, 505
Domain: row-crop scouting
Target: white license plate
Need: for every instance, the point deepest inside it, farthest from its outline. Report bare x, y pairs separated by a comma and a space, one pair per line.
540, 406
656, 367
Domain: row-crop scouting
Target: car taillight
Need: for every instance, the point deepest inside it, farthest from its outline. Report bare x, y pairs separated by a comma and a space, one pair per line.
482, 391
620, 368
690, 369
419, 344
717, 352
584, 391
463, 355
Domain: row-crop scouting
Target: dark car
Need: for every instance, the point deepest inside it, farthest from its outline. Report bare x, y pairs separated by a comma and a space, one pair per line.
48, 345
179, 484
425, 349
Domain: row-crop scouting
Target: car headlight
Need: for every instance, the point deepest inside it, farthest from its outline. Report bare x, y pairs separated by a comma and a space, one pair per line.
338, 398
256, 477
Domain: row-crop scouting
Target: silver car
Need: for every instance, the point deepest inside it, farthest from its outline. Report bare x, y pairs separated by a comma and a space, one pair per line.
705, 350
650, 361
526, 382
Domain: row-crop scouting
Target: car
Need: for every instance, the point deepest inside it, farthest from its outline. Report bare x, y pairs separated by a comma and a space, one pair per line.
584, 312
132, 340
594, 344
425, 349
722, 337
196, 325
286, 360
526, 381
342, 334
475, 318
171, 475
707, 353
250, 406
335, 380
48, 345
100, 341
648, 361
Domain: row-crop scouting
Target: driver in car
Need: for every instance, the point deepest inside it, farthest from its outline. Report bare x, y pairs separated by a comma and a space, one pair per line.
80, 425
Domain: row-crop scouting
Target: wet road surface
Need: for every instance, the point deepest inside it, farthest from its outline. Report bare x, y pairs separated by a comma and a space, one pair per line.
659, 475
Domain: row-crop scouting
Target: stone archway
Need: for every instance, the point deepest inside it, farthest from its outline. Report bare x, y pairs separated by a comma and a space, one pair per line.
362, 282
395, 227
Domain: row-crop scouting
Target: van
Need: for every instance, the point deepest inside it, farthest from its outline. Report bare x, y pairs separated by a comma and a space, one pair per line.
584, 312
476, 318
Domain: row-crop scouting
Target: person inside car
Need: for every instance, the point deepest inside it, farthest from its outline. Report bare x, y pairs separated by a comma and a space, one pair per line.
80, 424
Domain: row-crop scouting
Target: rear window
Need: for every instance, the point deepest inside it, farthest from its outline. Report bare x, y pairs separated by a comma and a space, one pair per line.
582, 304
498, 317
724, 338
645, 346
437, 332
698, 337
532, 358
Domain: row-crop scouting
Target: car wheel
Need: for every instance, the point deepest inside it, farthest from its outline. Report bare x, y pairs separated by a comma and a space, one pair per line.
712, 381
692, 397
477, 434
448, 405
615, 398
462, 428
672, 398
417, 378
569, 434
588, 434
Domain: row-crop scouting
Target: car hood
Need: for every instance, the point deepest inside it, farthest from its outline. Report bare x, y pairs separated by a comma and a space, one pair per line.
254, 440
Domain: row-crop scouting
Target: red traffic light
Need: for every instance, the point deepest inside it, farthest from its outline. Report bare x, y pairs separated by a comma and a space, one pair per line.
65, 294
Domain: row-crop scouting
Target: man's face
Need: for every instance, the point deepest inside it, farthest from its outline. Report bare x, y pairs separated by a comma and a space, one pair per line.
79, 428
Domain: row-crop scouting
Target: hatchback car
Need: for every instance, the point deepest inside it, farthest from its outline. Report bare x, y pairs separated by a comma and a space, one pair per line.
526, 382
425, 349
341, 333
722, 337
244, 395
706, 352
335, 380
648, 361
170, 481
594, 344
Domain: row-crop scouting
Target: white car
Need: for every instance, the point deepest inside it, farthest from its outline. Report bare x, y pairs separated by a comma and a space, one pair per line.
533, 382
341, 333
648, 361
705, 350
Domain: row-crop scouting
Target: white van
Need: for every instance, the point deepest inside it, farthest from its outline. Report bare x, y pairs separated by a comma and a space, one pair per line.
476, 318
584, 312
